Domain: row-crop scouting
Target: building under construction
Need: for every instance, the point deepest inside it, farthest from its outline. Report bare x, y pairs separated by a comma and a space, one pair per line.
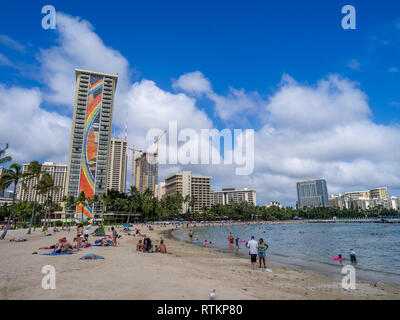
146, 171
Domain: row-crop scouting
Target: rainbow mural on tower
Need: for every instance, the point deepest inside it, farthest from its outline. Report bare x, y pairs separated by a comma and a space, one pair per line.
90, 142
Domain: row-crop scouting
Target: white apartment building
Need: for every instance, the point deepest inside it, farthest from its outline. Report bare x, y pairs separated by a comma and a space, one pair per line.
159, 190
230, 195
197, 187
364, 200
57, 171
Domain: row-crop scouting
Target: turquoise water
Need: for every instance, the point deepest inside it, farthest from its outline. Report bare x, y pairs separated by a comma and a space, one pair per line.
313, 245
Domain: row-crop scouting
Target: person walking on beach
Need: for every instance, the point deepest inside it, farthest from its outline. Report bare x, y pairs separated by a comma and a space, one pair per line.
262, 247
237, 242
353, 256
253, 246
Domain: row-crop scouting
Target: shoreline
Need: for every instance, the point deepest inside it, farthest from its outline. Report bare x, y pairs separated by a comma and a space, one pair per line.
328, 270
186, 272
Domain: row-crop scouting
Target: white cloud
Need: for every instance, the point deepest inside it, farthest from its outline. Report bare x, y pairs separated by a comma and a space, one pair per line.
231, 106
78, 47
11, 43
354, 64
32, 132
4, 61
193, 82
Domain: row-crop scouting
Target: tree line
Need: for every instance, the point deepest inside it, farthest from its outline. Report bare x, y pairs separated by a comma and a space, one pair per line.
142, 206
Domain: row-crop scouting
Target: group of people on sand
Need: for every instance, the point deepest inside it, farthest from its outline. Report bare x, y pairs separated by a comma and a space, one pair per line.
257, 248
62, 245
146, 246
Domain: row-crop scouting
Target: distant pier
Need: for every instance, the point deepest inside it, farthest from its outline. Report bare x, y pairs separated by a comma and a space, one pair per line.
357, 220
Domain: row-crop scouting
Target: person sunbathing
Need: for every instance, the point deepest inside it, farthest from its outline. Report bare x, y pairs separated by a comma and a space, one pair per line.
91, 256
17, 240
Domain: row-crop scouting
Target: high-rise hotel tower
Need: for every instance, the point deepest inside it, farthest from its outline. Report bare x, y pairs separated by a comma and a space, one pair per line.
90, 136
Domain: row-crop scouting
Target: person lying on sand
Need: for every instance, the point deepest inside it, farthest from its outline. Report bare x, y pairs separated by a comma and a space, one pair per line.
17, 240
91, 256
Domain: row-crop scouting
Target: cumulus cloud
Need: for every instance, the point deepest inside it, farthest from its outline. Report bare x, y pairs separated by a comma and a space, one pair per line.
231, 106
193, 82
31, 131
78, 46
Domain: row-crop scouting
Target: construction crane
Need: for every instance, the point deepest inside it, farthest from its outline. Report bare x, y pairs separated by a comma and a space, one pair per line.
133, 149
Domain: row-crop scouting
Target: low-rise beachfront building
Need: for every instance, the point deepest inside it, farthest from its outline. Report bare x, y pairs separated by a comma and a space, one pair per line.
358, 200
230, 195
274, 204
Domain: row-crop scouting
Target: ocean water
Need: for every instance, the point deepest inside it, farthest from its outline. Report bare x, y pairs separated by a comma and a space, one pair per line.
313, 245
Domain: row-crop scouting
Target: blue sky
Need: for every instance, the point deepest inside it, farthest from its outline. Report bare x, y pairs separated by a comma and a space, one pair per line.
245, 45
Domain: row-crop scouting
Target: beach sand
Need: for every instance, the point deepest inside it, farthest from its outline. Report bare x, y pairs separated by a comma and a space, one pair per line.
185, 272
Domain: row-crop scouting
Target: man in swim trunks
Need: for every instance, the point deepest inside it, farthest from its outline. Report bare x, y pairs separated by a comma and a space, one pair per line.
253, 246
191, 235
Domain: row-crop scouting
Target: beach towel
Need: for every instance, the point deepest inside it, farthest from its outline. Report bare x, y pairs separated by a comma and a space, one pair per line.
56, 254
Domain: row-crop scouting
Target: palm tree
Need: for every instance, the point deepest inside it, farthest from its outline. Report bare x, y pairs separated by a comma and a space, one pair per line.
70, 202
82, 199
33, 173
146, 202
3, 158
10, 176
46, 187
134, 201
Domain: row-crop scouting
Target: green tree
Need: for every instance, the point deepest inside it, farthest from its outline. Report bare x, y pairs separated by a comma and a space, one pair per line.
46, 187
81, 200
10, 176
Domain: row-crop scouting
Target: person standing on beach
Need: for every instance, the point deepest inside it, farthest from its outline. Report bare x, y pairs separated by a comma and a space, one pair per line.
237, 242
253, 246
262, 247
353, 256
114, 236
191, 235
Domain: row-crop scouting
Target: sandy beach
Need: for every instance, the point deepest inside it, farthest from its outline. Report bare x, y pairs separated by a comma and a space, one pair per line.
185, 272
